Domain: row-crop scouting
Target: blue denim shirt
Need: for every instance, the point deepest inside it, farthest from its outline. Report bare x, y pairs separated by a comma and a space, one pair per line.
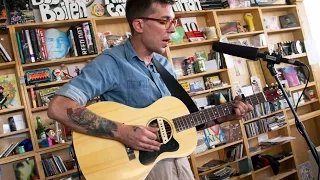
119, 75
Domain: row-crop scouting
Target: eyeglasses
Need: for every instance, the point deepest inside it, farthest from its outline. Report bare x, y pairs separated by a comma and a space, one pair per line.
166, 22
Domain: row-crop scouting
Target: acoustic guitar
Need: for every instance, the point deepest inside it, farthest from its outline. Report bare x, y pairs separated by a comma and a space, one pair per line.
104, 159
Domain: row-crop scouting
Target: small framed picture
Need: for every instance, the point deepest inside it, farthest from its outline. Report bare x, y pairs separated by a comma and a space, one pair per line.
228, 28
288, 21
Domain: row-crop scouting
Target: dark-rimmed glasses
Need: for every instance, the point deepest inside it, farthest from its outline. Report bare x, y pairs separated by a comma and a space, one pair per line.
166, 22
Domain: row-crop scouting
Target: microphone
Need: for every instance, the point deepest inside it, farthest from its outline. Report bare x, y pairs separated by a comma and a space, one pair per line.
252, 53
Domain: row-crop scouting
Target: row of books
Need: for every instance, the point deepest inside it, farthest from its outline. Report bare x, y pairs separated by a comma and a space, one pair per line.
82, 40
42, 97
53, 165
264, 125
233, 153
9, 149
35, 45
261, 109
4, 56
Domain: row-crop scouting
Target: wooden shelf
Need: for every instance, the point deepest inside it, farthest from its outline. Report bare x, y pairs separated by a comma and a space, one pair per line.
304, 104
245, 34
51, 24
192, 44
49, 84
253, 137
192, 13
276, 8
218, 148
262, 47
300, 87
305, 117
228, 11
258, 118
57, 62
16, 157
14, 133
62, 174
222, 166
209, 90
10, 110
38, 109
201, 74
267, 149
280, 161
295, 56
54, 148
7, 65
245, 175
282, 175
283, 30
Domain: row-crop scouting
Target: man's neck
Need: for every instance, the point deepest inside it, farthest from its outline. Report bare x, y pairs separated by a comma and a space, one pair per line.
141, 50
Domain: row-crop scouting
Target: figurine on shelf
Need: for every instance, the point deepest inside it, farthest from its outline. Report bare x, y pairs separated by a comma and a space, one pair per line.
3, 98
57, 74
51, 137
249, 19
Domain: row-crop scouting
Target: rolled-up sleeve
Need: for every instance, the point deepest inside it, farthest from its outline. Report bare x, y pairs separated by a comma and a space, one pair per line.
97, 77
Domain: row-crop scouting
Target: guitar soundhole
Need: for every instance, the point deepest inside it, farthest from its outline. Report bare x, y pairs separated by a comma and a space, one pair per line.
165, 130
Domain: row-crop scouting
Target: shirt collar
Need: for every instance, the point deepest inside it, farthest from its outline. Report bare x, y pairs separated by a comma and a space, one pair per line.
130, 52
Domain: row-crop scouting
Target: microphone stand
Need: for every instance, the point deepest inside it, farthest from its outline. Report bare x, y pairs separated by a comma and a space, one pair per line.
299, 124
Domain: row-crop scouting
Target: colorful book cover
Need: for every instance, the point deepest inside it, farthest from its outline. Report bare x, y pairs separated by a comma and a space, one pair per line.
25, 170
178, 36
290, 74
9, 93
75, 69
57, 43
215, 135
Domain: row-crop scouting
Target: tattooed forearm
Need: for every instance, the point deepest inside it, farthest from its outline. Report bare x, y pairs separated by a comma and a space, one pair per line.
135, 128
93, 124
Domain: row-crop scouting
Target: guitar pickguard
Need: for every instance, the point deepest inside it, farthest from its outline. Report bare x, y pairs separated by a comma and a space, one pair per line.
146, 157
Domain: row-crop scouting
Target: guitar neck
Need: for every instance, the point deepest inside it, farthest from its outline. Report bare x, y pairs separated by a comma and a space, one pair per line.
195, 119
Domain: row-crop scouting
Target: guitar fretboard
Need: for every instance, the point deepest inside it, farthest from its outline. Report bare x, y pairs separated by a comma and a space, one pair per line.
192, 120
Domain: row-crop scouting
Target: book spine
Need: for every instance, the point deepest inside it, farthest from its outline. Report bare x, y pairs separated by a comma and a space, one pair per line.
76, 39
87, 37
43, 42
93, 38
5, 53
3, 56
40, 46
34, 43
19, 42
73, 48
25, 47
83, 46
32, 55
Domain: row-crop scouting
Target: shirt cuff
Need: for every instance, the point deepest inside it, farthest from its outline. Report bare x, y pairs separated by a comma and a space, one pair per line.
73, 93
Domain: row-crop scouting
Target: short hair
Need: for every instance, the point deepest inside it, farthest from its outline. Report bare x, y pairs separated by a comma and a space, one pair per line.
140, 8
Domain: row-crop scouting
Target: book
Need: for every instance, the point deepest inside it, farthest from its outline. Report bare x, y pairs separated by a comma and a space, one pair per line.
9, 97
290, 74
75, 69
25, 170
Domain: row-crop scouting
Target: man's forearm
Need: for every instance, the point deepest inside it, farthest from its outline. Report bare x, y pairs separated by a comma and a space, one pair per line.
92, 123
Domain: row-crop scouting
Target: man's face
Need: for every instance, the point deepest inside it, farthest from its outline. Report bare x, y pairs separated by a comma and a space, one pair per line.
155, 35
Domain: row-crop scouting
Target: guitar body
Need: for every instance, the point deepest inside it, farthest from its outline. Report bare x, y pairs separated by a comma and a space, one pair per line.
101, 158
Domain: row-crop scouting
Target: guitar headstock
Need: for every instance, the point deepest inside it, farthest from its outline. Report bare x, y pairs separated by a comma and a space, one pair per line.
255, 98
273, 94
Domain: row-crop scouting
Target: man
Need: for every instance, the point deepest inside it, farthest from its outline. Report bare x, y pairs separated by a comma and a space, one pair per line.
126, 75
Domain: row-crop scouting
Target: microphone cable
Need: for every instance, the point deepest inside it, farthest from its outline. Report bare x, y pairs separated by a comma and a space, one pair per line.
301, 127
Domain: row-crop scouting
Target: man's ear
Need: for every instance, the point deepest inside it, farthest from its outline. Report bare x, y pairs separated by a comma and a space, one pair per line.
138, 25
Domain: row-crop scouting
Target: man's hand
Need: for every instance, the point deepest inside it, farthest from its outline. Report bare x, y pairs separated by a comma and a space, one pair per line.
240, 110
139, 137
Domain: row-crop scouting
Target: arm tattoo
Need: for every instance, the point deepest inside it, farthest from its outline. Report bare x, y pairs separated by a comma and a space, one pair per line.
94, 124
135, 128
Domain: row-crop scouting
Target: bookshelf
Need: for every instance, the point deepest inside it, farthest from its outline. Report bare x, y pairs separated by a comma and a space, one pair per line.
308, 111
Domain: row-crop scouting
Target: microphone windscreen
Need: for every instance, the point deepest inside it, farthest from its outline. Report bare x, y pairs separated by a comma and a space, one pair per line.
236, 50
